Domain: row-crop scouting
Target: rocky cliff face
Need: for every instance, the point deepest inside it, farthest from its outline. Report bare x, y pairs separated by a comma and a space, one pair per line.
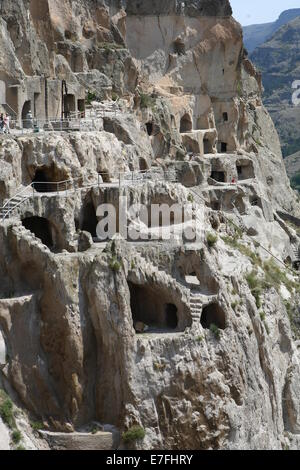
194, 343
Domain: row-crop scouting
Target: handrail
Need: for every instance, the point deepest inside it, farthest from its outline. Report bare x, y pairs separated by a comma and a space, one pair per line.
16, 195
131, 178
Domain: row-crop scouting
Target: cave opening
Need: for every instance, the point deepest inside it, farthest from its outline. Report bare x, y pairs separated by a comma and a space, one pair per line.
41, 182
89, 220
143, 164
149, 127
49, 179
179, 47
41, 228
223, 147
245, 171
213, 314
25, 111
225, 117
186, 124
150, 309
218, 176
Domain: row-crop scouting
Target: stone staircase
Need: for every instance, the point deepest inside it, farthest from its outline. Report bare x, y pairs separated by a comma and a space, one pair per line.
196, 303
196, 298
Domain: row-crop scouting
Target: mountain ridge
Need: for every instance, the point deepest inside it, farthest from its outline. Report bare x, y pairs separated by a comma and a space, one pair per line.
257, 34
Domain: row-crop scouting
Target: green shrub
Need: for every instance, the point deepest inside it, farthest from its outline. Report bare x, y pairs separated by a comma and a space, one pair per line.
262, 316
114, 96
234, 305
255, 285
16, 436
91, 96
199, 339
215, 331
211, 239
36, 425
147, 101
6, 410
115, 264
134, 433
110, 46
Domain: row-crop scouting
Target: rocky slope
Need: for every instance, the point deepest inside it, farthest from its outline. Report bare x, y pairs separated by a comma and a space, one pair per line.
257, 34
218, 366
278, 59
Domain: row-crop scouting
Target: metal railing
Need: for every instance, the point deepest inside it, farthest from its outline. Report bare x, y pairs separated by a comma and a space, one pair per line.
76, 120
67, 187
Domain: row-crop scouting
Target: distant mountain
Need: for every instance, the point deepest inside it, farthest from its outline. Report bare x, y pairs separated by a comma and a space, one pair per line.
257, 34
279, 61
292, 164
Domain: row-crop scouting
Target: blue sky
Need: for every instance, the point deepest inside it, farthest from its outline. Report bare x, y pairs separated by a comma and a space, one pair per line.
260, 11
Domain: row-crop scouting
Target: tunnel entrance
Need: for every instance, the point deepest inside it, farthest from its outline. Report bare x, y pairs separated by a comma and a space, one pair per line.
49, 179
143, 164
186, 124
41, 228
213, 314
218, 176
27, 122
89, 220
245, 171
179, 46
149, 127
225, 117
223, 147
149, 308
41, 183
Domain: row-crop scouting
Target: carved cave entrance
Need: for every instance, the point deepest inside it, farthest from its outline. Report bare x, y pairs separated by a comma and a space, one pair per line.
151, 308
218, 176
213, 314
46, 180
89, 219
41, 228
186, 124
